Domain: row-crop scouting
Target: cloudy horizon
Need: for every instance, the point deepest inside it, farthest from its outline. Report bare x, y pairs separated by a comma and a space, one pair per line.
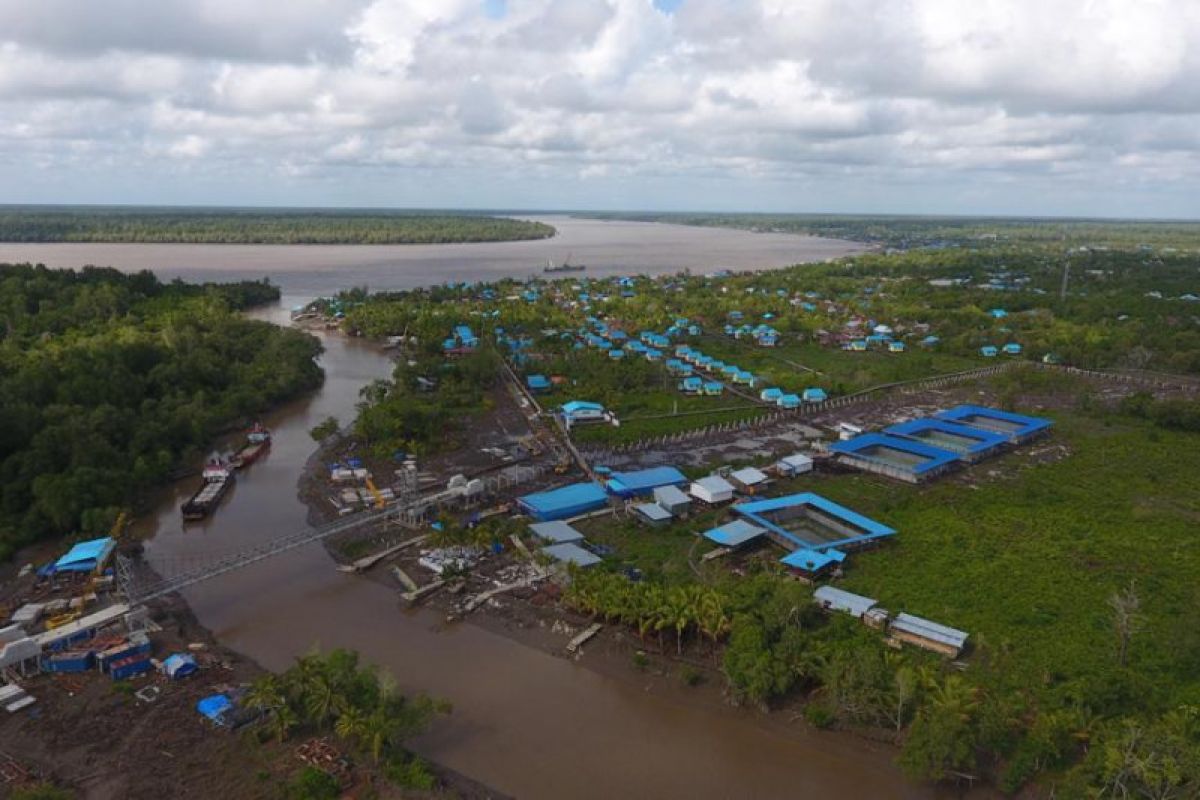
1017, 108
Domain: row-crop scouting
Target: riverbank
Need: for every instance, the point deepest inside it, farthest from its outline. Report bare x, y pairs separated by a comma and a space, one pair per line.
143, 737
536, 618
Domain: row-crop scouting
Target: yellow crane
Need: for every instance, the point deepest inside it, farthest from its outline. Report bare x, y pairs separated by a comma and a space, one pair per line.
379, 501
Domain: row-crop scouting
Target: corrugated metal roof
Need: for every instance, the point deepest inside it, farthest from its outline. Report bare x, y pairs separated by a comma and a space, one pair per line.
983, 439
645, 480
812, 560
714, 484
929, 630
671, 496
935, 456
653, 511
735, 533
865, 524
748, 476
86, 555
977, 416
571, 553
840, 600
555, 531
566, 501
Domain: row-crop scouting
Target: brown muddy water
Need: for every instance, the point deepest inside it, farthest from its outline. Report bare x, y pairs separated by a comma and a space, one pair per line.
605, 247
524, 722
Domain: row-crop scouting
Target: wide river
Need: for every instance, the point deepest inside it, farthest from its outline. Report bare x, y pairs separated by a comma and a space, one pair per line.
605, 247
525, 722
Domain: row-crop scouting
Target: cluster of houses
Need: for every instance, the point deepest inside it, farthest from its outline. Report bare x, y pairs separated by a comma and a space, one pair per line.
762, 334
650, 345
689, 360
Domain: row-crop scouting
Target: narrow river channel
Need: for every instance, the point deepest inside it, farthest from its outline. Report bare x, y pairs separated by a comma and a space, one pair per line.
525, 722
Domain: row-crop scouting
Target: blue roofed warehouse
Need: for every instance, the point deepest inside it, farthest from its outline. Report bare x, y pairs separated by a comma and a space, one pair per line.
567, 501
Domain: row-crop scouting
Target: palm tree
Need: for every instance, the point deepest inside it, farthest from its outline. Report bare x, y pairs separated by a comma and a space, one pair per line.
712, 616
378, 732
266, 693
321, 698
680, 615
281, 721
351, 724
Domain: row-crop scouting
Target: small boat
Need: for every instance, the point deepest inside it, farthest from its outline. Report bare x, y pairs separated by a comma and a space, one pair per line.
258, 441
218, 478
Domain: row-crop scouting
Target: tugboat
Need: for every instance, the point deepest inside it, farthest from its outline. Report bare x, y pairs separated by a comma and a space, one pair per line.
218, 477
566, 266
258, 441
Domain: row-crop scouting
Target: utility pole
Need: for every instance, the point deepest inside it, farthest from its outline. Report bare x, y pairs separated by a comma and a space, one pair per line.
1066, 277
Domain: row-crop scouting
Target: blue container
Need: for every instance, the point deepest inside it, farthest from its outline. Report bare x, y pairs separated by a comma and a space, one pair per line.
128, 667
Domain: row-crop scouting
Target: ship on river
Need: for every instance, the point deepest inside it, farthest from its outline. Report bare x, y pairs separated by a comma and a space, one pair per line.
565, 266
218, 479
258, 441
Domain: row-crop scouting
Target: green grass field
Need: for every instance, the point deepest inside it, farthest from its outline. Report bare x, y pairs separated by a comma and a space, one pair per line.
1024, 559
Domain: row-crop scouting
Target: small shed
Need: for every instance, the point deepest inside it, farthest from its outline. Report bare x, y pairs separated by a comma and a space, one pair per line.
928, 635
712, 490
748, 480
833, 599
793, 465
652, 514
673, 500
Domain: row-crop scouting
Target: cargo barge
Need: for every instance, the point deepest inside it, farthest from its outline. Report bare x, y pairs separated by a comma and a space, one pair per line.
218, 478
258, 441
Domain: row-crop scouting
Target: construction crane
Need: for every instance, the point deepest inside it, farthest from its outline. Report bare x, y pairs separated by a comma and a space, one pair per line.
118, 527
379, 501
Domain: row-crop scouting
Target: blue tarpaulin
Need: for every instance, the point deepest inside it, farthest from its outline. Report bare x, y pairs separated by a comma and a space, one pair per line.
214, 707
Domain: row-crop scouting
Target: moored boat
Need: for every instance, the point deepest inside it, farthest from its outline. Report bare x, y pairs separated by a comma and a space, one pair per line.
258, 440
218, 477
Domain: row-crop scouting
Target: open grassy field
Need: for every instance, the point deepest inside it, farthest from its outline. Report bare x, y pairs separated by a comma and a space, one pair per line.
793, 366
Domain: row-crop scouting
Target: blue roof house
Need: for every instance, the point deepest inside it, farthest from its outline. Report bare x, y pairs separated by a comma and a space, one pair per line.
771, 395
537, 383
644, 481
691, 385
788, 401
1012, 349
988, 351
815, 395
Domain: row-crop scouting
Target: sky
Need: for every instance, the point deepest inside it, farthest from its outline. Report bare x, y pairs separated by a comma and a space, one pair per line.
1021, 107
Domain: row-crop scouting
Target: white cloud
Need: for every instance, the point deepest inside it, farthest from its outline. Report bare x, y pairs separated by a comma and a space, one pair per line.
855, 97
